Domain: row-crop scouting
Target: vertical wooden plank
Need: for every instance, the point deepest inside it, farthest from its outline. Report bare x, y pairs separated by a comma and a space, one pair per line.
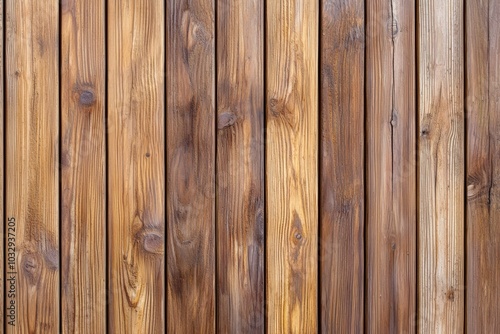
292, 165
2, 185
191, 166
240, 166
483, 172
441, 167
83, 229
136, 166
32, 154
342, 164
391, 167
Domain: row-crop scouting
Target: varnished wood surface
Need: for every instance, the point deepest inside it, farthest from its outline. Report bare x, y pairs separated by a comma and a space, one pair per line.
32, 153
136, 166
83, 167
240, 166
341, 243
441, 290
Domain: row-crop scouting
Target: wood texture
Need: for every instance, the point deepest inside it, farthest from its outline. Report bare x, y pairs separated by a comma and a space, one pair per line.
83, 186
441, 167
136, 160
342, 162
32, 153
2, 180
240, 166
292, 165
483, 172
391, 167
191, 166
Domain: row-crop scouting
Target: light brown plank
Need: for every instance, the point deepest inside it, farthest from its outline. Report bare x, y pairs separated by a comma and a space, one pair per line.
83, 185
136, 166
483, 170
2, 185
342, 162
240, 166
191, 166
292, 166
32, 153
390, 304
441, 167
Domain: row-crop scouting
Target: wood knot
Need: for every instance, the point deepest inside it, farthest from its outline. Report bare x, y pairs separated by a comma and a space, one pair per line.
86, 98
424, 133
151, 240
450, 294
393, 27
226, 119
31, 265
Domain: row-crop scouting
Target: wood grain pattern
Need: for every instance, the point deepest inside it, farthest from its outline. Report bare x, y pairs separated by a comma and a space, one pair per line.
390, 304
441, 167
32, 153
83, 186
483, 172
136, 160
342, 162
292, 165
240, 166
191, 166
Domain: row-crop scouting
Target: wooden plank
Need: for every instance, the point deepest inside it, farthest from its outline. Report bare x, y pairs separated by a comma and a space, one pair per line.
240, 166
390, 304
191, 166
32, 153
342, 164
83, 186
136, 166
292, 165
441, 167
483, 172
3, 315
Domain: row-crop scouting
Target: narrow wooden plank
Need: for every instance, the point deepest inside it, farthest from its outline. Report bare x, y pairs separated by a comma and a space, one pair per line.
191, 166
136, 166
390, 304
32, 153
483, 172
441, 167
2, 185
342, 164
83, 187
240, 166
292, 166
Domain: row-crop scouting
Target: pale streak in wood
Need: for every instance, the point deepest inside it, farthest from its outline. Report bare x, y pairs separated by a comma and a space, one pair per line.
83, 186
292, 165
240, 166
191, 166
391, 167
483, 172
441, 167
136, 161
32, 105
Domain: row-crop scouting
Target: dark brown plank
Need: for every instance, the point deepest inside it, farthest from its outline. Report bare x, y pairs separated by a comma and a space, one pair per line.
83, 185
342, 163
191, 166
240, 166
390, 303
483, 169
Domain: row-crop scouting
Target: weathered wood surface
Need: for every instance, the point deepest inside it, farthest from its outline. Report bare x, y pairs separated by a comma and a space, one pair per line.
240, 166
32, 153
291, 166
136, 166
483, 170
391, 167
441, 290
191, 166
83, 167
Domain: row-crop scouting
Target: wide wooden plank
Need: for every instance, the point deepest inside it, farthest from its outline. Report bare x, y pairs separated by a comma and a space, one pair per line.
240, 166
390, 304
292, 166
32, 153
83, 224
136, 166
483, 170
441, 167
191, 166
342, 162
